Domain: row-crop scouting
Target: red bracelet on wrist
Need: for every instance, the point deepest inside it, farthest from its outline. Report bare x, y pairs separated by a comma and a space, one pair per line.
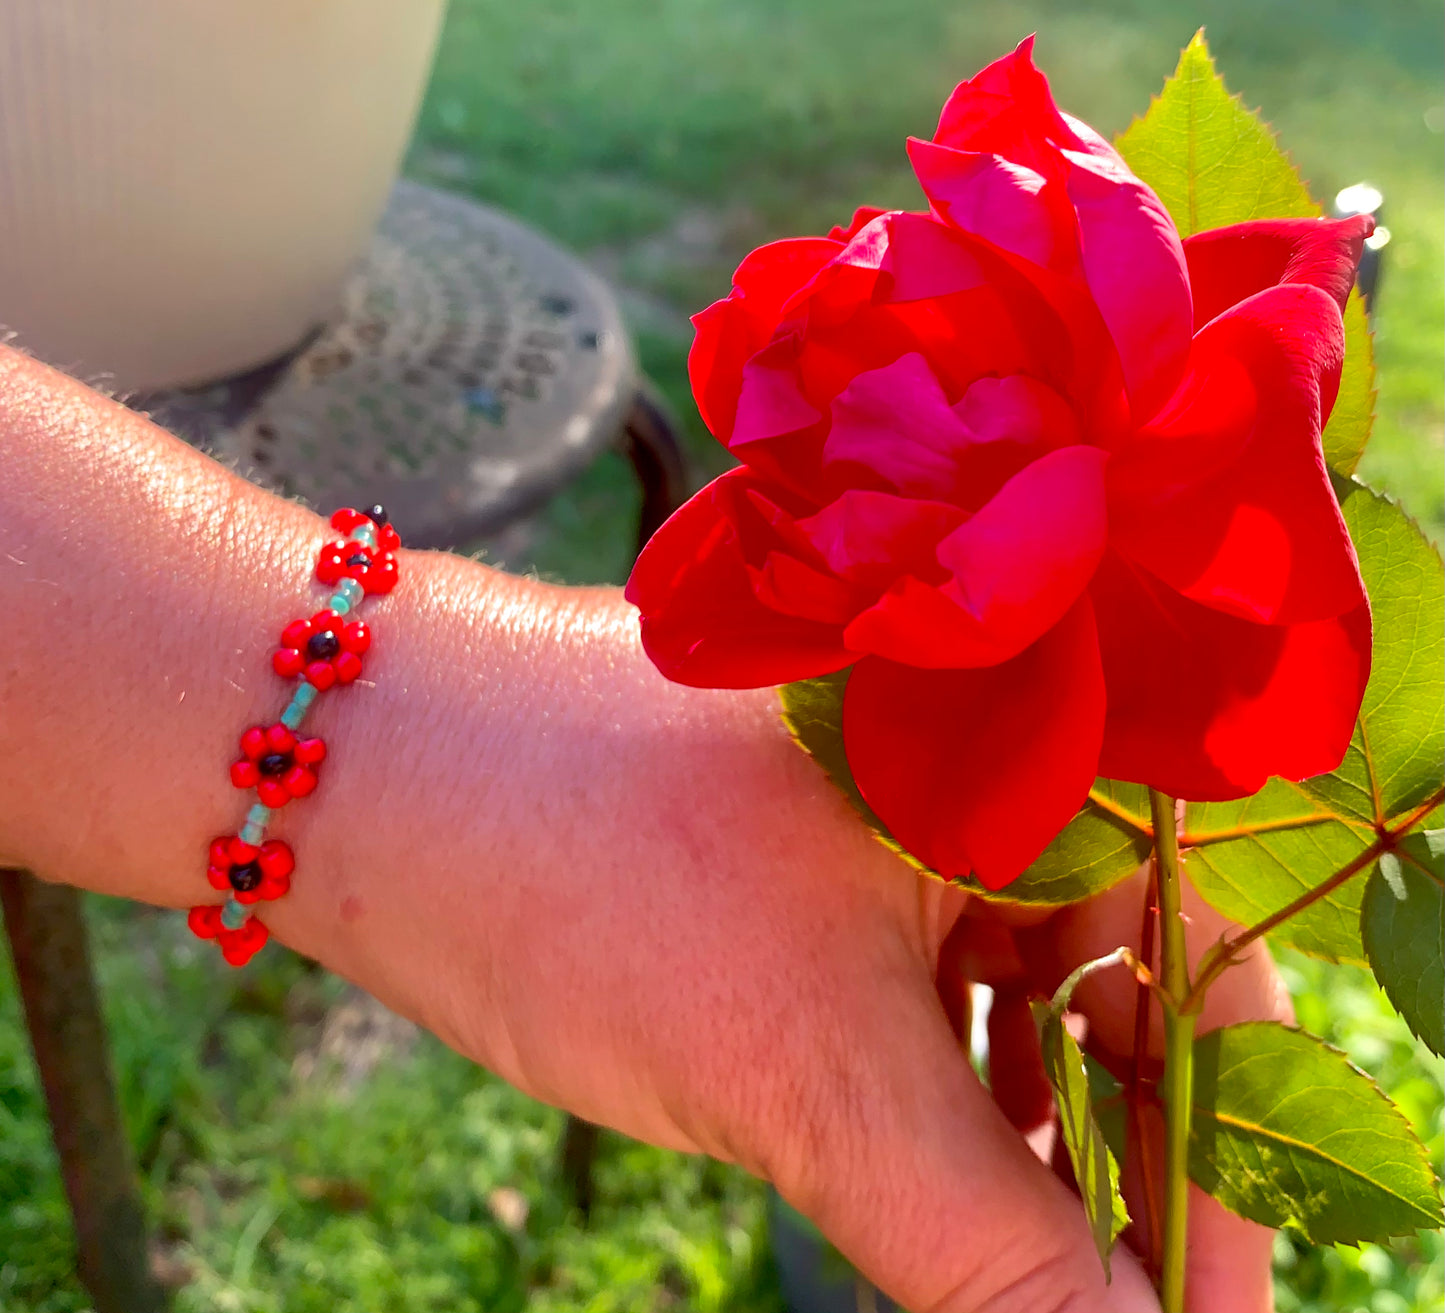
277, 760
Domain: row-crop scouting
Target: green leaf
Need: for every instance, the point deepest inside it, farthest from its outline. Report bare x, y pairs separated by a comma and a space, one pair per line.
1213, 162
1208, 158
1252, 857
1403, 925
1348, 428
1287, 1133
1095, 1168
1397, 757
1105, 842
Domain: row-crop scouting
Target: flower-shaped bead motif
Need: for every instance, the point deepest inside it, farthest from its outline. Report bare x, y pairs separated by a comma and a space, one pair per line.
347, 521
277, 764
372, 567
325, 649
249, 873
237, 946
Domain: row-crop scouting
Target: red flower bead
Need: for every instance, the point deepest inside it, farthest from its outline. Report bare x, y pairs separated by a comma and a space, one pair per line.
249, 873
277, 764
374, 568
239, 946
205, 922
323, 648
346, 520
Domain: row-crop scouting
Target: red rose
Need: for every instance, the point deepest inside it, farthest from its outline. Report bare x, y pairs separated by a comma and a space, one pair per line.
1047, 478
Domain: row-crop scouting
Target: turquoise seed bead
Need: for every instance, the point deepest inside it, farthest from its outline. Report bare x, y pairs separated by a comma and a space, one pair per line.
254, 830
352, 591
339, 603
365, 534
299, 705
233, 915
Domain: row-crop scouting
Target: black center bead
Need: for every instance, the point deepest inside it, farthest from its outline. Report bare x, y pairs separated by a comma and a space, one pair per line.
358, 559
377, 514
245, 877
322, 646
274, 763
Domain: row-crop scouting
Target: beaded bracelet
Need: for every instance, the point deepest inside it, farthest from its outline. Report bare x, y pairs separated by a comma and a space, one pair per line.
317, 654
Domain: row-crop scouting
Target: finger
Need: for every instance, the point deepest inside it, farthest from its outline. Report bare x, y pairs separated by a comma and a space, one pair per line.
910, 1168
1228, 1263
1016, 1063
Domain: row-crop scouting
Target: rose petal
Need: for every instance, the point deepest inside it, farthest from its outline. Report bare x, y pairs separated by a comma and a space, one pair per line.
977, 770
1206, 706
869, 538
702, 622
1001, 201
1229, 265
1134, 264
894, 426
1006, 109
862, 217
1128, 249
1017, 567
1227, 498
731, 331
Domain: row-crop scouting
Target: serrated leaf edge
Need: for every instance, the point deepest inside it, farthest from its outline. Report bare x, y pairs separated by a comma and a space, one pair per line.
1434, 1219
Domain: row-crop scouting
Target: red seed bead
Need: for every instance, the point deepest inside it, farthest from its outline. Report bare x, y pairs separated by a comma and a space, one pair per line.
288, 662
356, 637
299, 781
310, 751
239, 946
244, 774
381, 578
237, 955
321, 675
220, 852
296, 633
205, 922
240, 852
279, 738
273, 793
346, 519
276, 859
273, 887
387, 538
253, 742
219, 876
347, 666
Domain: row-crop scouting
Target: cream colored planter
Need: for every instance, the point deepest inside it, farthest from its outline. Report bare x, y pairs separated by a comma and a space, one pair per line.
184, 183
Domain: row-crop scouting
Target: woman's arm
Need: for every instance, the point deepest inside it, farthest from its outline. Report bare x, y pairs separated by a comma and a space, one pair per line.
633, 899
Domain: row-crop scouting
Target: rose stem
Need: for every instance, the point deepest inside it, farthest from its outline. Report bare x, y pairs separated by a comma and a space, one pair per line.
1178, 1055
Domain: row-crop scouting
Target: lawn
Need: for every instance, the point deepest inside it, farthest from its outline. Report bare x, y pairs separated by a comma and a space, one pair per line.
302, 1152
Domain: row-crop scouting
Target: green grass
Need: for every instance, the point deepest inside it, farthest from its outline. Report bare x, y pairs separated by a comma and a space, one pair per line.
276, 1184
664, 139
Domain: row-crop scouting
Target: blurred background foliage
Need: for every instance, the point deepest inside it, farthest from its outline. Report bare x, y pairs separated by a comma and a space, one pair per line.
302, 1150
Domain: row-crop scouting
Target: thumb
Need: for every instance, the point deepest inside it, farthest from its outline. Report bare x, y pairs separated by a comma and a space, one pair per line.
915, 1175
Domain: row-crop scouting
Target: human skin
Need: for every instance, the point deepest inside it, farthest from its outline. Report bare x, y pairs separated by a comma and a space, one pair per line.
632, 899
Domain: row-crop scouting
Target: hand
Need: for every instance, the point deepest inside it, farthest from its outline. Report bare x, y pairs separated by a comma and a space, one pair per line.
635, 900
